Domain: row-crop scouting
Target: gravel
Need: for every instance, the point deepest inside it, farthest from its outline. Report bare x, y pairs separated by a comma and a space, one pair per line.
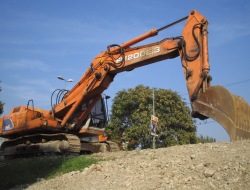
220, 165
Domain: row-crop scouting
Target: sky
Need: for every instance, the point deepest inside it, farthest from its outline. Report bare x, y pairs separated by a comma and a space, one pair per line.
40, 40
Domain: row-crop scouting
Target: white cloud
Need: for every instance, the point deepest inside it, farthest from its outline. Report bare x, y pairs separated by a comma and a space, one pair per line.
42, 29
227, 32
40, 84
22, 93
24, 64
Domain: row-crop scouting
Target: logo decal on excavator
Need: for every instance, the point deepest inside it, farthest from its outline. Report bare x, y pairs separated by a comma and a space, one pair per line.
7, 125
143, 53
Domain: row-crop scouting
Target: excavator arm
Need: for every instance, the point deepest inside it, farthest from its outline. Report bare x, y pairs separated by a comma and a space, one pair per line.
207, 102
215, 102
118, 58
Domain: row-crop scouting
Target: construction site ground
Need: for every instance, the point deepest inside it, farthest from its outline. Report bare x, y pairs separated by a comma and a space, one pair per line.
219, 165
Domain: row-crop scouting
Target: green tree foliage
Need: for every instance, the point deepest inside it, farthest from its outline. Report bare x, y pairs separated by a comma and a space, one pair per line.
206, 139
131, 115
1, 104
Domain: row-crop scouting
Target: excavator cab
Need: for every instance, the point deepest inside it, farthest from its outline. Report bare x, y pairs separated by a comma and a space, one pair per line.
98, 115
96, 121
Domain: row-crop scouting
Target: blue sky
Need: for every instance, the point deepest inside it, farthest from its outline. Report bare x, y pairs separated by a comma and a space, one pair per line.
40, 40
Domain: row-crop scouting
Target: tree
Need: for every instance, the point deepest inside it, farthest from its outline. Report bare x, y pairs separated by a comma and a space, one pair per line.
1, 104
206, 139
131, 115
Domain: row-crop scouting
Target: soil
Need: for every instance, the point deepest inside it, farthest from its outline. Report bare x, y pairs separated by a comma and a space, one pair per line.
220, 165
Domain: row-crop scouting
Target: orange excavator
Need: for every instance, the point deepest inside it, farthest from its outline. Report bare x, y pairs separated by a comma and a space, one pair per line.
69, 126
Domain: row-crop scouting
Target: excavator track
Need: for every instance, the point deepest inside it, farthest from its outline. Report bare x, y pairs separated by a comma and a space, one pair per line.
113, 146
101, 146
74, 144
41, 144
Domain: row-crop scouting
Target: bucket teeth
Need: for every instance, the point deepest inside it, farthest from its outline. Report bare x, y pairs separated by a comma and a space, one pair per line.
231, 111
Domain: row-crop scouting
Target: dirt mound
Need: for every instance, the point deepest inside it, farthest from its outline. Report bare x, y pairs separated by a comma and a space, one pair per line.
201, 166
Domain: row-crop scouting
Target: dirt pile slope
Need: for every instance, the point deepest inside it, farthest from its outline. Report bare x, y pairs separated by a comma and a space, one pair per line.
202, 166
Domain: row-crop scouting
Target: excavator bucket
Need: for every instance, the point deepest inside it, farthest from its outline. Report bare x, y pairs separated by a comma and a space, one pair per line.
231, 111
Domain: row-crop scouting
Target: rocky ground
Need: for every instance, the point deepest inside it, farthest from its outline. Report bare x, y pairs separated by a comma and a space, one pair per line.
201, 166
